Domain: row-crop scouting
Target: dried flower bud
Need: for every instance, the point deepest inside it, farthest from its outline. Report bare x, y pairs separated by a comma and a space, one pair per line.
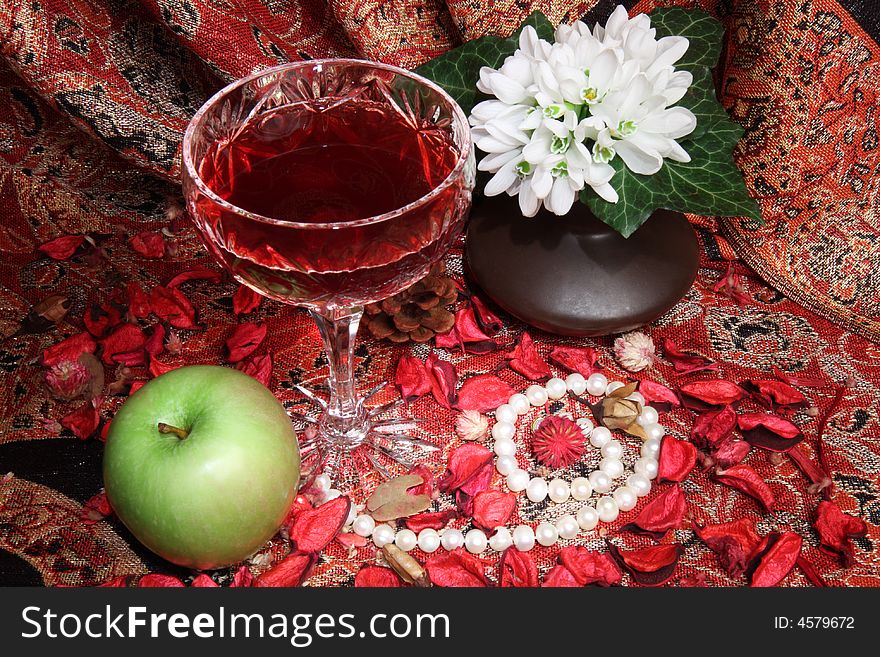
635, 351
472, 425
68, 379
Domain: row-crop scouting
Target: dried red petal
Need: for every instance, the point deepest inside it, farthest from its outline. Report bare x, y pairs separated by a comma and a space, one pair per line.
245, 300
812, 573
469, 471
576, 359
526, 360
203, 581
96, 509
836, 530
713, 428
464, 496
658, 396
411, 378
483, 392
776, 556
560, 577
377, 577
746, 480
138, 301
125, 345
769, 432
290, 571
466, 334
706, 395
62, 248
244, 340
819, 479
312, 530
802, 381
443, 379
99, 319
733, 542
517, 569
83, 422
258, 366
588, 567
171, 305
427, 485
197, 273
70, 348
242, 578
155, 344
135, 386
148, 244
663, 513
155, 580
352, 540
558, 442
685, 362
730, 286
493, 508
677, 459
488, 321
650, 566
774, 394
430, 520
158, 367
730, 453
458, 568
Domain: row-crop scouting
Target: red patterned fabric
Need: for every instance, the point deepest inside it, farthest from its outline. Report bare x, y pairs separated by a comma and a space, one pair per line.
93, 99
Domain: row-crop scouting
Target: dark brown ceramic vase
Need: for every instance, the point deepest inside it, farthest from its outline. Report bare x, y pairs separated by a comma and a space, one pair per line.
574, 275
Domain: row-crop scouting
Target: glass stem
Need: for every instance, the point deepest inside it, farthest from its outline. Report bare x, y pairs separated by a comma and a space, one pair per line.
345, 420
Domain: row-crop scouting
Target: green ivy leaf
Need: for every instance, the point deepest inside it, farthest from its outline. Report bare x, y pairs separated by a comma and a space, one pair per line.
458, 70
700, 99
704, 33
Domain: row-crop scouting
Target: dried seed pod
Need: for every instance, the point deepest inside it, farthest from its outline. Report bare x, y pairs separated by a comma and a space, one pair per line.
410, 570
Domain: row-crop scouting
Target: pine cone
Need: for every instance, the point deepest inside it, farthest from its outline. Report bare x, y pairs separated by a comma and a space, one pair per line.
417, 313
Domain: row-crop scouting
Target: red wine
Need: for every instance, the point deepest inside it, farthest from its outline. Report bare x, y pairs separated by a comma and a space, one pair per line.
304, 166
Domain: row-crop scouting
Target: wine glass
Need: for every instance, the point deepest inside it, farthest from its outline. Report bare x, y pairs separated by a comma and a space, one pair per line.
330, 184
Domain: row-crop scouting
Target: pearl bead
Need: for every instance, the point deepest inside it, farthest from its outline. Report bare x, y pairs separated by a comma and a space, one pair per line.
504, 447
651, 448
576, 383
524, 538
655, 431
352, 514
546, 534
607, 509
600, 481
612, 449
505, 413
505, 465
383, 535
518, 480
612, 467
451, 539
429, 540
519, 403
646, 466
556, 388
649, 415
581, 488
596, 384
567, 526
558, 490
611, 387
503, 430
587, 518
322, 482
600, 437
585, 425
625, 497
501, 539
406, 539
536, 395
331, 494
363, 525
537, 489
639, 484
637, 397
475, 541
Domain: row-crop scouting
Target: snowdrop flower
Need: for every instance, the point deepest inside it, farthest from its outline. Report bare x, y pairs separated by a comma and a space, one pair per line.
562, 112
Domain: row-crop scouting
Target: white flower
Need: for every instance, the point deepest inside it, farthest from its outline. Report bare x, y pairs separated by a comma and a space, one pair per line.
563, 111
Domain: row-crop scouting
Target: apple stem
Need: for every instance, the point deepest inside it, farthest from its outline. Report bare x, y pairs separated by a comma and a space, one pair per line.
177, 431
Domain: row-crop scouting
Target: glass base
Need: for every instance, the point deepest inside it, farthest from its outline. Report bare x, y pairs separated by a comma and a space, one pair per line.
334, 445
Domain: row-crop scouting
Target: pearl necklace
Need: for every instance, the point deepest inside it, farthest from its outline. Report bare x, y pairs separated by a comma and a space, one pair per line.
587, 518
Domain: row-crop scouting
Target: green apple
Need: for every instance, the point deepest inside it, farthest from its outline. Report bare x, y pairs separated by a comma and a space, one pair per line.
202, 465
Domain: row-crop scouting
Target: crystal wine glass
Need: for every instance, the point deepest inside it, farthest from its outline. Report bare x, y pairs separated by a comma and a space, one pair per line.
330, 184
